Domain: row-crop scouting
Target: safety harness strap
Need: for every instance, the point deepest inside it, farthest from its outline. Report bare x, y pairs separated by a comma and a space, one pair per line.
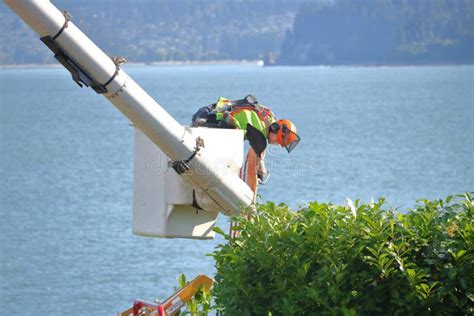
264, 113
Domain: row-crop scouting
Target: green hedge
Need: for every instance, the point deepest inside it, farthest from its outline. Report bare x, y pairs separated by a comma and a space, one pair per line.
360, 259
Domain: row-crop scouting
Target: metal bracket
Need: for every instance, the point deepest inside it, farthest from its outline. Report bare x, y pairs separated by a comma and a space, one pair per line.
181, 166
79, 75
67, 18
199, 143
118, 60
195, 203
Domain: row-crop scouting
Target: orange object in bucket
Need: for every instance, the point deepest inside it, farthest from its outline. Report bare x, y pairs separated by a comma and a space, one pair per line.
248, 173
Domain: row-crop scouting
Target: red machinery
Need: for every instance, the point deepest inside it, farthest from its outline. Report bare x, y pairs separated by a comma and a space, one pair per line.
172, 304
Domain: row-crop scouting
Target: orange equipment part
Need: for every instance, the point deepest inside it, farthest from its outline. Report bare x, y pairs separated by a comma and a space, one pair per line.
172, 304
248, 173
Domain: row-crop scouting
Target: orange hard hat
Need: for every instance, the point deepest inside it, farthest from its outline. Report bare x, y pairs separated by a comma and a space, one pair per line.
286, 134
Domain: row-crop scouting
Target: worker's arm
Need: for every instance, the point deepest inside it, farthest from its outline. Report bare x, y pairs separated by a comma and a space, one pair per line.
258, 142
262, 172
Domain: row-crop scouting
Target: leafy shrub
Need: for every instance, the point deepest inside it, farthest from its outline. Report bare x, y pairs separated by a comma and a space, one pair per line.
348, 260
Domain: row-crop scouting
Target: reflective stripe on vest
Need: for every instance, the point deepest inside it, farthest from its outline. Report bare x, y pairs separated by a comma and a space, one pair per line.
242, 117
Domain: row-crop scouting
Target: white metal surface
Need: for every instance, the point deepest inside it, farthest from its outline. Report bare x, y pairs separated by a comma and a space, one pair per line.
223, 188
162, 201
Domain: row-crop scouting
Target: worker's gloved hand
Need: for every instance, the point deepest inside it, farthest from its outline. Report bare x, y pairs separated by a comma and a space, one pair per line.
263, 178
262, 172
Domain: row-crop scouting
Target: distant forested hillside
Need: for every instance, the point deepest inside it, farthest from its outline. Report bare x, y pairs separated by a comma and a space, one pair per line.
161, 30
297, 32
381, 32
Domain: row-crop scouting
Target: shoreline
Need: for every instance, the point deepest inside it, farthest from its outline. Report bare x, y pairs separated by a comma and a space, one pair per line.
144, 64
259, 63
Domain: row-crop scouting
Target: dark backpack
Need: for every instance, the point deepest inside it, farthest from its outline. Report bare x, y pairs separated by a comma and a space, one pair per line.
206, 116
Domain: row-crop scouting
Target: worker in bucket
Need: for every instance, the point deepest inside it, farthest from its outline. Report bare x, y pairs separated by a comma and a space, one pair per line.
259, 124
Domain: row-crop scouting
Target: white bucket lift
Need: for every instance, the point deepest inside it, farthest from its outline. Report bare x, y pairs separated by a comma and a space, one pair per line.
163, 204
206, 160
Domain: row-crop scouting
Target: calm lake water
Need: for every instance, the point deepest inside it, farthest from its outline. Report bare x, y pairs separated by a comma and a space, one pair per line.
66, 167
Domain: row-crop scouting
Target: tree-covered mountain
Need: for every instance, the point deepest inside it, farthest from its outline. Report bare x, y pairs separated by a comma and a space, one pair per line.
381, 32
297, 32
161, 30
